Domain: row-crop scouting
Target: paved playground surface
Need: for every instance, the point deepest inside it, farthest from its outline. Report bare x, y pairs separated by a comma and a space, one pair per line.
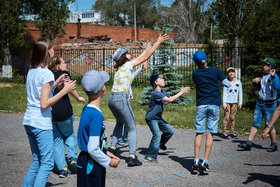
229, 165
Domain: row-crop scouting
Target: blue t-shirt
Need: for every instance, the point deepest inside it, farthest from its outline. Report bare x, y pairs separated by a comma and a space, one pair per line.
156, 106
207, 83
92, 136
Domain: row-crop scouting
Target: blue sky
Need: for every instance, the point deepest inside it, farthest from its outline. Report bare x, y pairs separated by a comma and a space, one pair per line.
87, 4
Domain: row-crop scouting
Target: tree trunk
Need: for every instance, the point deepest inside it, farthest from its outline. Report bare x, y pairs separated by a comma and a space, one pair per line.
7, 64
236, 58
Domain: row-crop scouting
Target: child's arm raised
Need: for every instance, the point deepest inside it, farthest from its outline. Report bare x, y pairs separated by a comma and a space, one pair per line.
171, 99
149, 53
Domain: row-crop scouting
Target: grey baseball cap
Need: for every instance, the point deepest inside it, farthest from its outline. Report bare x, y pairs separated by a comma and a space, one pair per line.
119, 52
93, 81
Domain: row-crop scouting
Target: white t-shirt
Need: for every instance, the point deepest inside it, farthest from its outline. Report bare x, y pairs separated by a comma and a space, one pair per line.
123, 77
35, 116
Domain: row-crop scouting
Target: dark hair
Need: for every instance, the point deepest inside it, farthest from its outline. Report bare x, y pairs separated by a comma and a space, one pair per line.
54, 63
202, 65
47, 41
39, 54
121, 61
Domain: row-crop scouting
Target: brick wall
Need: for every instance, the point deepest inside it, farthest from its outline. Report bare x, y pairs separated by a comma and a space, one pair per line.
117, 34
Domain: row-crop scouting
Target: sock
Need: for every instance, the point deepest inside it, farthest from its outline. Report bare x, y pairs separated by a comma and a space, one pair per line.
205, 162
249, 142
196, 160
273, 143
132, 156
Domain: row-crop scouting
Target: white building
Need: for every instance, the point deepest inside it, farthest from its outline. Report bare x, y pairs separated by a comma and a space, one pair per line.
86, 16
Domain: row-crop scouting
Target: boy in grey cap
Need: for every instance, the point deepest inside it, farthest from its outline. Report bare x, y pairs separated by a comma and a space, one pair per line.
92, 137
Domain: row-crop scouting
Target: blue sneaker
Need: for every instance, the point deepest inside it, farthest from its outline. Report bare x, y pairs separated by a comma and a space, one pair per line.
150, 159
64, 172
121, 142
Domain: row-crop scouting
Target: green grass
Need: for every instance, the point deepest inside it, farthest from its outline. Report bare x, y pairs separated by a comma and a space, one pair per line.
13, 100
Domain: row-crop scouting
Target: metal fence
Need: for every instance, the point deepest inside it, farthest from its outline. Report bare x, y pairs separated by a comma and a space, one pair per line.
80, 61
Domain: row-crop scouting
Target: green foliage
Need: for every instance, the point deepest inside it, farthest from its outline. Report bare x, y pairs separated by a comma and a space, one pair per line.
187, 18
11, 26
163, 65
121, 12
52, 15
233, 17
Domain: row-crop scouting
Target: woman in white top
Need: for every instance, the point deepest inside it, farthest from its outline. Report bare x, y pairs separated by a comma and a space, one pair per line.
120, 94
37, 119
232, 97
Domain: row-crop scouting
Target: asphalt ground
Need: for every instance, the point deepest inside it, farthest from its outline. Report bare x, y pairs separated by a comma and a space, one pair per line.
229, 166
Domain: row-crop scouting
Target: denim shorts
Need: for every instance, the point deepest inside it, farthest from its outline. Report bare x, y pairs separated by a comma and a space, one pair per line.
209, 113
263, 111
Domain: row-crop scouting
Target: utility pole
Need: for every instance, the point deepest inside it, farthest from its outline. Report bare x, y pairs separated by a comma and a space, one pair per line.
135, 33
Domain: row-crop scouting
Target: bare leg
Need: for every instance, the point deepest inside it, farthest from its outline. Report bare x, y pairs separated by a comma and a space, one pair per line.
253, 133
197, 144
273, 135
208, 145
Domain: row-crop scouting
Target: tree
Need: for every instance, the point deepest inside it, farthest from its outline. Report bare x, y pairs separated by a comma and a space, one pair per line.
187, 18
52, 15
232, 18
262, 40
120, 13
11, 26
163, 64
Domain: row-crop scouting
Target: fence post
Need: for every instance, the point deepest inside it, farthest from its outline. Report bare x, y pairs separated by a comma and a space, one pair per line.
104, 60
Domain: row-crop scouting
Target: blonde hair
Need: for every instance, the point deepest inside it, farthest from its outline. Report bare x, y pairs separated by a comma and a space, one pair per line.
54, 63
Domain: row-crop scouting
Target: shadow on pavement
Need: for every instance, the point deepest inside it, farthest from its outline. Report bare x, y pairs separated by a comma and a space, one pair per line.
273, 180
247, 164
186, 162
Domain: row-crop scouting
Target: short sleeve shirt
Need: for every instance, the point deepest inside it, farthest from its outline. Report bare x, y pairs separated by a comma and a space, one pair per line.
62, 109
123, 77
91, 124
156, 106
34, 115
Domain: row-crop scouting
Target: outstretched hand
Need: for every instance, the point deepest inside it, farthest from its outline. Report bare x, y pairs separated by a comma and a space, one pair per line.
163, 38
256, 80
185, 89
69, 85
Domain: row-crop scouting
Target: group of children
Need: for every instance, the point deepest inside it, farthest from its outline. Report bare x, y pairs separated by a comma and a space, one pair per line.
95, 153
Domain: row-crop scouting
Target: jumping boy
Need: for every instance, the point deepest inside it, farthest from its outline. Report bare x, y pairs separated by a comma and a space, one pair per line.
92, 137
208, 99
268, 85
154, 118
